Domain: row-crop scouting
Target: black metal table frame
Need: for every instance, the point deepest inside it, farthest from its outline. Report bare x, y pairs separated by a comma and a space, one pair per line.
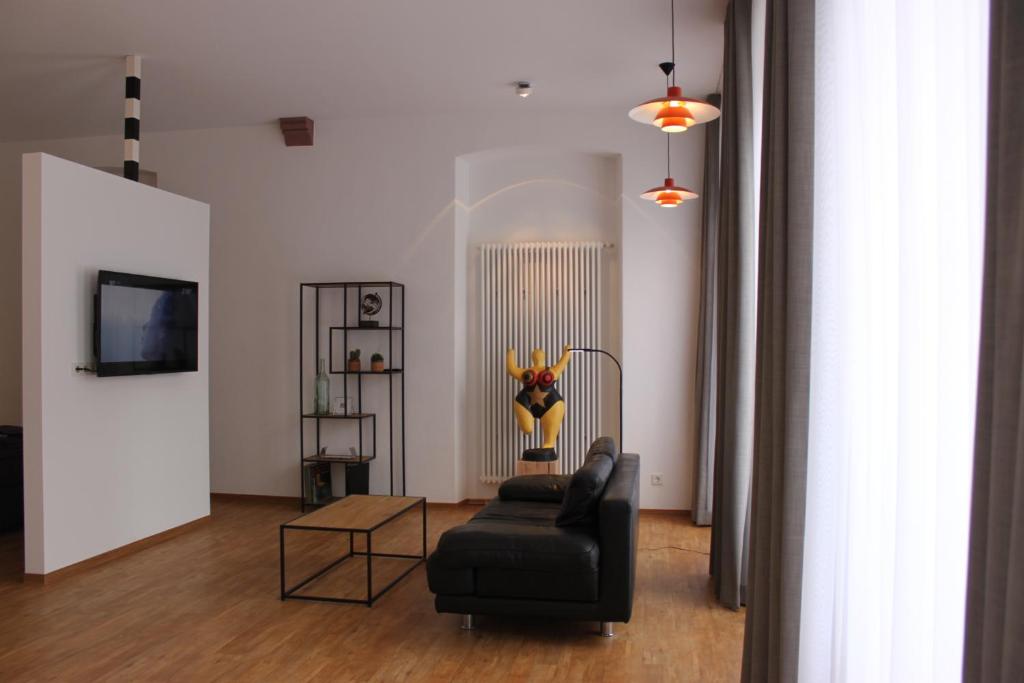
289, 593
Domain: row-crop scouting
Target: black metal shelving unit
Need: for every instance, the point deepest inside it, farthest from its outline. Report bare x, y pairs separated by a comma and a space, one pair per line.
325, 332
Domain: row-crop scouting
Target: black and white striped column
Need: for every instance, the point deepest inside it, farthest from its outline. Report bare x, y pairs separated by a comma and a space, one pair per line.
132, 114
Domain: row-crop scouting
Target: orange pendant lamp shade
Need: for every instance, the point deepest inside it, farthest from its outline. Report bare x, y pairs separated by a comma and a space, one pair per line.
669, 195
669, 200
674, 117
674, 113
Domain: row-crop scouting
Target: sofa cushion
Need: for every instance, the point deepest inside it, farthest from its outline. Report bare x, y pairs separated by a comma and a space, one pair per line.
542, 488
605, 445
579, 506
519, 535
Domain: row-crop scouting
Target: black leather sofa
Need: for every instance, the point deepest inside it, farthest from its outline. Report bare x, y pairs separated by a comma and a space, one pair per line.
548, 546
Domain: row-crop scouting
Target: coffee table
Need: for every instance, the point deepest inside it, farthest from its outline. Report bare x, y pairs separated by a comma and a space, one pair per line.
355, 514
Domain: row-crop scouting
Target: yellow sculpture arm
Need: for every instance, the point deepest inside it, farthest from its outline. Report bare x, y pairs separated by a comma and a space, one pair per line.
510, 365
562, 363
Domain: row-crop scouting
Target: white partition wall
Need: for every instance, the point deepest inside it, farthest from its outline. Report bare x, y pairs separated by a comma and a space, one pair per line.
108, 461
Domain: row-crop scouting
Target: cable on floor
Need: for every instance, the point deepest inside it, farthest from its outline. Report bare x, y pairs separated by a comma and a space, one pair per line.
676, 547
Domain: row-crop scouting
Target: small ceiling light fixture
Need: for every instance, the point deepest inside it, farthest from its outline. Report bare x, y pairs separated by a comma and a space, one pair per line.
523, 88
673, 113
669, 195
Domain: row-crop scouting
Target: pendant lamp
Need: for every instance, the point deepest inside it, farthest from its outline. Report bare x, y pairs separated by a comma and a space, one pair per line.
673, 113
669, 195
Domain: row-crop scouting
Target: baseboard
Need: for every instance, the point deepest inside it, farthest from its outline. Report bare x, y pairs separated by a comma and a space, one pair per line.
660, 511
461, 503
116, 553
254, 497
465, 501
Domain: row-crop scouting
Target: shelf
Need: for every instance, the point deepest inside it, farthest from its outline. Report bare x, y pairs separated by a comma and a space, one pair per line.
351, 285
332, 416
353, 328
333, 314
395, 371
342, 458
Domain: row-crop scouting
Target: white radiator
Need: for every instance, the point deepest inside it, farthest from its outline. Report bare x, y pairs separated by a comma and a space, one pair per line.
538, 294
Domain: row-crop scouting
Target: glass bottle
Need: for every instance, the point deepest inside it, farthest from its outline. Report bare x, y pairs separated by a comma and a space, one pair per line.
321, 401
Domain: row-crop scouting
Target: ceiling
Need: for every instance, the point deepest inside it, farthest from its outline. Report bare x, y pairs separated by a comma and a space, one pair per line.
216, 63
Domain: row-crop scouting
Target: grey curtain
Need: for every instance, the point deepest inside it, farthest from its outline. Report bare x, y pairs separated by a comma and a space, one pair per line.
771, 639
737, 294
707, 357
994, 638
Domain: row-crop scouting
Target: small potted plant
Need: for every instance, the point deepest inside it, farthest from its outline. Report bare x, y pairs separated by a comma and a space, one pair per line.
377, 362
353, 360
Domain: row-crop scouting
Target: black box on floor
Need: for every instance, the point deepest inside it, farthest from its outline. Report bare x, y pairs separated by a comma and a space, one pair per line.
357, 479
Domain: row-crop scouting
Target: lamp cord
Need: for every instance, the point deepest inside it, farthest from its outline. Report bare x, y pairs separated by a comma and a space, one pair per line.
672, 4
676, 547
668, 155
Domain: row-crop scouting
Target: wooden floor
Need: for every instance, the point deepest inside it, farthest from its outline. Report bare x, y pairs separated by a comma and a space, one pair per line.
204, 607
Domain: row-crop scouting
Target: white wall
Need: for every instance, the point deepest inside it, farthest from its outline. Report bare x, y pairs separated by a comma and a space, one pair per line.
375, 198
112, 460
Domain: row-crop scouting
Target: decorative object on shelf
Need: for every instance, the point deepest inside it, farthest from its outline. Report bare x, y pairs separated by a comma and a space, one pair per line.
322, 386
353, 360
377, 362
619, 366
673, 113
669, 195
369, 307
318, 482
539, 399
339, 406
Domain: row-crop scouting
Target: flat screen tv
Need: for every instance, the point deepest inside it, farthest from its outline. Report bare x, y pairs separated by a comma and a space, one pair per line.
145, 325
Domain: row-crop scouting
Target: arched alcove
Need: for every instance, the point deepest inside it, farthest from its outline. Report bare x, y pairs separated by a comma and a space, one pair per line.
527, 194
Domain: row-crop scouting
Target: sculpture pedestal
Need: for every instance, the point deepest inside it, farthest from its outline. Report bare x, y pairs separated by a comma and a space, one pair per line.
532, 467
538, 461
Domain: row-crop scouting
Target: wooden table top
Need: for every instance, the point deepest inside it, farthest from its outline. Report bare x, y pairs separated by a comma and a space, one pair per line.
355, 513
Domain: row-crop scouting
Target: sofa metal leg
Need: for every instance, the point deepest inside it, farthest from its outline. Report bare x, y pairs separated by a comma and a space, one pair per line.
607, 629
467, 622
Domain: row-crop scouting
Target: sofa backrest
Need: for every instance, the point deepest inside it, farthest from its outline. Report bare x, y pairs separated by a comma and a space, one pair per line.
618, 520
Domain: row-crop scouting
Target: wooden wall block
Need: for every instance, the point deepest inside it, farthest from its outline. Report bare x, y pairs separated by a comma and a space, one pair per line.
297, 130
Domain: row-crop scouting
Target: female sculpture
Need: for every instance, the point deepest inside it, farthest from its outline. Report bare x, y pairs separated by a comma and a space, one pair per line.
539, 398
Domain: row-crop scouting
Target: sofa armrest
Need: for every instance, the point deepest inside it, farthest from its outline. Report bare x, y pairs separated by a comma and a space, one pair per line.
540, 488
619, 517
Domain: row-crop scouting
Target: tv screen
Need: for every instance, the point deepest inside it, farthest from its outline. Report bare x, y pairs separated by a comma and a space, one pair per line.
145, 325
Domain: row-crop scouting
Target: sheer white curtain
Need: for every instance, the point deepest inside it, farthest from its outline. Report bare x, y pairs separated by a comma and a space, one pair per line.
899, 184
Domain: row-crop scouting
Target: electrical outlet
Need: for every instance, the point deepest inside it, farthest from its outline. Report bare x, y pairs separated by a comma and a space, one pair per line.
656, 479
